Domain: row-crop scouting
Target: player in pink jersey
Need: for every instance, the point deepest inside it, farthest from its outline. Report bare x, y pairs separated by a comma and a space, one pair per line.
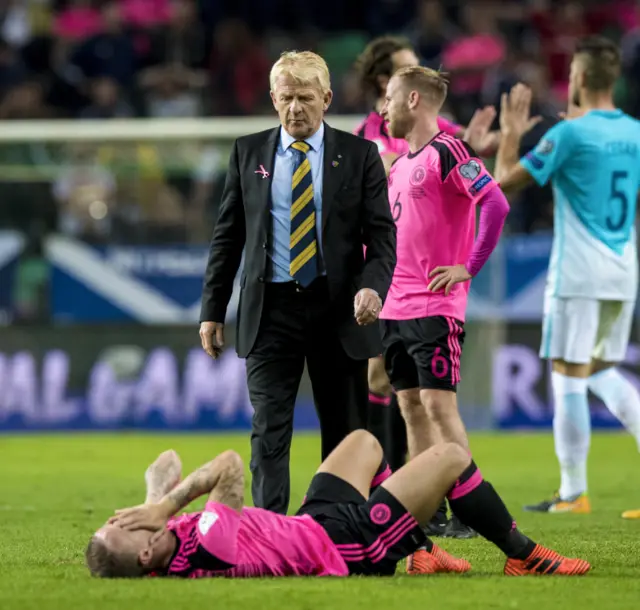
375, 128
381, 58
356, 519
340, 530
434, 191
378, 62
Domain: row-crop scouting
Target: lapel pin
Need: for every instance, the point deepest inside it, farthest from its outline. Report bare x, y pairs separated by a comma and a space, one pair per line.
334, 163
339, 156
262, 171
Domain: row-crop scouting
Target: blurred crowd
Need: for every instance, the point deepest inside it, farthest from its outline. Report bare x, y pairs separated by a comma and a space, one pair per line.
104, 59
187, 58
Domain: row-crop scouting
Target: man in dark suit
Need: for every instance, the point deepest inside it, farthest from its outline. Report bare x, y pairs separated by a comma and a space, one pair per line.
302, 200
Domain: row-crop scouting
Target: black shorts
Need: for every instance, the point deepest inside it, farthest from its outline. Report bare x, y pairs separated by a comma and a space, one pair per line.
371, 535
423, 353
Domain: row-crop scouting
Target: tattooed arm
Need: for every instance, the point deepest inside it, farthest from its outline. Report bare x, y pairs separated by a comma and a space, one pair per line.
222, 479
162, 476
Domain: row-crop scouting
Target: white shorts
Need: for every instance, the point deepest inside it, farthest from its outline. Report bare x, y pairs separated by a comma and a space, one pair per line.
578, 330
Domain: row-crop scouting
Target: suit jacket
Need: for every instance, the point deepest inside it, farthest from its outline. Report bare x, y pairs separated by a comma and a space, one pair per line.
355, 212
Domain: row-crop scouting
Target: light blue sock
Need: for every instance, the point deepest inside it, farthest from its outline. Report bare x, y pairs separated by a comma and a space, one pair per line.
571, 432
620, 397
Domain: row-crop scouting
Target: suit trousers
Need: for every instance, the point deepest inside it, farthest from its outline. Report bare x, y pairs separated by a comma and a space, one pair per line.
297, 326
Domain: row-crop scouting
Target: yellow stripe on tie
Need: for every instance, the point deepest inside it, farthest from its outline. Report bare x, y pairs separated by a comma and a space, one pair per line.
302, 230
301, 201
307, 254
300, 173
301, 145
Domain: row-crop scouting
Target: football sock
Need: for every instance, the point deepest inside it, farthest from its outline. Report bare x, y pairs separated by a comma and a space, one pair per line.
571, 432
475, 502
377, 417
396, 435
620, 397
381, 475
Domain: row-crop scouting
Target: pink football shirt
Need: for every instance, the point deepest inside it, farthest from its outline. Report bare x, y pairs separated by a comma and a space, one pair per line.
220, 542
433, 194
374, 128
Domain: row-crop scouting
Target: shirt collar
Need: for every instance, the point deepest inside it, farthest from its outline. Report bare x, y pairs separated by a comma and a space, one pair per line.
612, 113
315, 141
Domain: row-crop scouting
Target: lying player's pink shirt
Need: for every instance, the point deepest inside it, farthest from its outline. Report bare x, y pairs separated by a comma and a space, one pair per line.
374, 128
433, 195
220, 542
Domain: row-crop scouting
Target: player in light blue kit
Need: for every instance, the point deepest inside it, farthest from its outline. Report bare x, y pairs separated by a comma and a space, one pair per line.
593, 162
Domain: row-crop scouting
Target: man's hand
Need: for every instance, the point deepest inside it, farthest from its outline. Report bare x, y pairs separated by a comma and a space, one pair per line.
152, 517
366, 306
447, 277
478, 133
212, 338
515, 109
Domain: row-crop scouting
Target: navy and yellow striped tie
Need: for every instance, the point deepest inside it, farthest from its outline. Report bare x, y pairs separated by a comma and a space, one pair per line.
303, 244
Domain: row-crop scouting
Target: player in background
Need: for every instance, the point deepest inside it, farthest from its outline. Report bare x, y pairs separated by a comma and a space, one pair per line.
434, 191
343, 528
378, 62
593, 162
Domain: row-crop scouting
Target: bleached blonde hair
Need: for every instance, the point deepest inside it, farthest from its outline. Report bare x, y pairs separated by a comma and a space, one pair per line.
305, 67
432, 84
106, 562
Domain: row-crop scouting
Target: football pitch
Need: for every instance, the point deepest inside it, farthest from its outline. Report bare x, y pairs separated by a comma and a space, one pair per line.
56, 490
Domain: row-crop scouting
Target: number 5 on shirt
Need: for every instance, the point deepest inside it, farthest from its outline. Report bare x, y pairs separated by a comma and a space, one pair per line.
618, 194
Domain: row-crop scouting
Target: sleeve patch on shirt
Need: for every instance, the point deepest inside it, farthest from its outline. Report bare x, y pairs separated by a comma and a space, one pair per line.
478, 185
535, 162
545, 147
207, 519
470, 170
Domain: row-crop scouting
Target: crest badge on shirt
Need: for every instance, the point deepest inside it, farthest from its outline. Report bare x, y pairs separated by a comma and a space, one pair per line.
207, 519
470, 170
418, 175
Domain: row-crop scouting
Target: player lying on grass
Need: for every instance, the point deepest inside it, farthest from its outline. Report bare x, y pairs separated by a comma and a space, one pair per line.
351, 522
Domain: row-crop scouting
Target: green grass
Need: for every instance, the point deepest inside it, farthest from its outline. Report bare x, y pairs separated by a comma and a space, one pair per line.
56, 490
